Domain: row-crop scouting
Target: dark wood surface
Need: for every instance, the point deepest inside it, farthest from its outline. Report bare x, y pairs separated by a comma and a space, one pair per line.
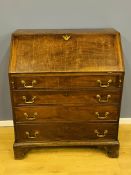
55, 131
66, 91
66, 97
64, 112
64, 82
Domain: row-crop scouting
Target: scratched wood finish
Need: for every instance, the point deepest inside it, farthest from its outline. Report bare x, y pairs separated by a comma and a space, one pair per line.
83, 52
60, 81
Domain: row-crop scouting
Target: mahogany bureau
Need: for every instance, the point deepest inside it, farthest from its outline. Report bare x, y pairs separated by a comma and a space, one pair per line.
66, 88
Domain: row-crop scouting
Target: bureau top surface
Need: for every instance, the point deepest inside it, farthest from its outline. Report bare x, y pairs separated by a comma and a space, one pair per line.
71, 50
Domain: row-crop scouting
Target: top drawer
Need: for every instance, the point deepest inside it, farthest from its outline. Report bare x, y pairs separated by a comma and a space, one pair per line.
66, 82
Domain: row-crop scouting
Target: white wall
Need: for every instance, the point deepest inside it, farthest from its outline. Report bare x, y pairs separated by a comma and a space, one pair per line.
16, 14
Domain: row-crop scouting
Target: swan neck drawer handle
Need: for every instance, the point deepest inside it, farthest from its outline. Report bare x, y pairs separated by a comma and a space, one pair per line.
29, 136
102, 117
101, 100
99, 134
30, 117
28, 86
29, 102
104, 85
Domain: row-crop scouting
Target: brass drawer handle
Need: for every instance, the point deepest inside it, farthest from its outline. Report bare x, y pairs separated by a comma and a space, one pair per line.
104, 85
31, 117
101, 100
28, 86
100, 135
120, 83
66, 37
29, 102
102, 117
32, 137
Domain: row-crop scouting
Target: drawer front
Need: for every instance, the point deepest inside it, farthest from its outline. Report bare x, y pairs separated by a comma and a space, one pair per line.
49, 82
64, 82
66, 131
96, 81
66, 97
66, 113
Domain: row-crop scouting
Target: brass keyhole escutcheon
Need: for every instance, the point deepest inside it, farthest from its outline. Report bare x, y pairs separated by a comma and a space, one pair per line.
66, 37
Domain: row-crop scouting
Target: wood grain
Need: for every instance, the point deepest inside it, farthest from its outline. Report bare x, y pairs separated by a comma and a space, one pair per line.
66, 131
52, 161
66, 97
61, 83
65, 82
66, 113
85, 52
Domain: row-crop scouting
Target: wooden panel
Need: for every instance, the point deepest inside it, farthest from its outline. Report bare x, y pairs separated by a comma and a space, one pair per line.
66, 131
87, 52
95, 81
66, 97
66, 113
64, 82
44, 82
20, 32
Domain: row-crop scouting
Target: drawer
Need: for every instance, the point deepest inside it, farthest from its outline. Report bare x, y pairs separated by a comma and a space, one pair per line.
65, 82
66, 131
38, 82
66, 113
96, 81
66, 97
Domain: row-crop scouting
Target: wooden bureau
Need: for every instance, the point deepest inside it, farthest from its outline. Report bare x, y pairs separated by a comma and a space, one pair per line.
66, 88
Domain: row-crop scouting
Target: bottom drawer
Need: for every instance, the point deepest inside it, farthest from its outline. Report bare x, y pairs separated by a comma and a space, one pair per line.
54, 131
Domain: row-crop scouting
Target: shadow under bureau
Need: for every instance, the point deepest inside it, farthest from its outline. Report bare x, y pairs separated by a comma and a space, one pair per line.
66, 88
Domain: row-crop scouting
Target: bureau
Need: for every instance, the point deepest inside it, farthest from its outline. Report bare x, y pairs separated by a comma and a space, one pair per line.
66, 88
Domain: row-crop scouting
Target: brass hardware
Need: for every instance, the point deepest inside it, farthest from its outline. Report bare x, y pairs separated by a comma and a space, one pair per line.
32, 137
103, 101
28, 86
104, 85
100, 135
120, 83
102, 117
66, 37
30, 117
29, 102
13, 86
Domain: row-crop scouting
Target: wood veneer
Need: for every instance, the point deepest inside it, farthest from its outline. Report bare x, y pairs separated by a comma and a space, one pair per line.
66, 88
